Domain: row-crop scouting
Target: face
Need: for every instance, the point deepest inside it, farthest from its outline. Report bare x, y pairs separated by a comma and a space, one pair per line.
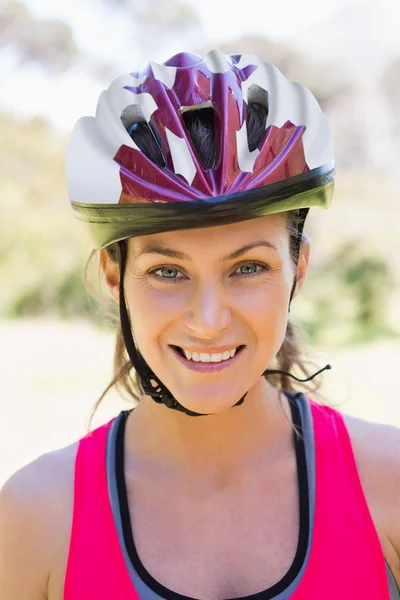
209, 307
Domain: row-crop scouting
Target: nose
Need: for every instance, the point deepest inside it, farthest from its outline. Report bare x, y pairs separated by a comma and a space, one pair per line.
208, 313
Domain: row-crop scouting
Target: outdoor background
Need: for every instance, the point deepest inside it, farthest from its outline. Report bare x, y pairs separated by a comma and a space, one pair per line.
55, 57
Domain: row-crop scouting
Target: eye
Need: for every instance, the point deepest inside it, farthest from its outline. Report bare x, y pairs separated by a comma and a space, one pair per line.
250, 269
167, 274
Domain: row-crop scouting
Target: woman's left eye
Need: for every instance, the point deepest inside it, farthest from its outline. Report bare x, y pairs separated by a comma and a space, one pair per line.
251, 268
167, 273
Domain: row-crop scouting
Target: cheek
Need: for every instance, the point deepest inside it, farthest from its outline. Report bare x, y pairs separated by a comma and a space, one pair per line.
152, 311
265, 310
265, 299
275, 323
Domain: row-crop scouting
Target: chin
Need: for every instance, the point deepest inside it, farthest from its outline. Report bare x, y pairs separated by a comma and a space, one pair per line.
208, 401
210, 409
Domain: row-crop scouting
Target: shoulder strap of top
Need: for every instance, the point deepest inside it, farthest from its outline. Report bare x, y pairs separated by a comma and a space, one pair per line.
95, 567
330, 428
342, 512
86, 478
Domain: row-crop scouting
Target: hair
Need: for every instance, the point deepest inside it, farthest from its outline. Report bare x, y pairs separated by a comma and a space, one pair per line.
291, 355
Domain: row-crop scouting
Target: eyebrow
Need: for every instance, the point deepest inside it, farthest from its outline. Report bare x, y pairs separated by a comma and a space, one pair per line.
170, 252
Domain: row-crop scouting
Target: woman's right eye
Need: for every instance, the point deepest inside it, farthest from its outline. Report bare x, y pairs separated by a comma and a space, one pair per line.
166, 274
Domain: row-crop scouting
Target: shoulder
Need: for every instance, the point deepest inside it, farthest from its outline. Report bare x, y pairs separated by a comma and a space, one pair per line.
35, 520
376, 450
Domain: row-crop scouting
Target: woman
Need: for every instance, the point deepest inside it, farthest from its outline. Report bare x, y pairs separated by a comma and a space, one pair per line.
195, 179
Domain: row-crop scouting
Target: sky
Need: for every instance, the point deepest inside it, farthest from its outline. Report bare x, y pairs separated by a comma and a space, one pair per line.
220, 20
361, 32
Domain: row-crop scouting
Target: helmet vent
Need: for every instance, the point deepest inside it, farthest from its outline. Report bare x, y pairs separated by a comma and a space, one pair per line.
132, 114
200, 125
143, 134
257, 113
257, 94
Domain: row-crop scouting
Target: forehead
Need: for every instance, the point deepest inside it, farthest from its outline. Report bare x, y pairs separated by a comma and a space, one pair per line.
270, 228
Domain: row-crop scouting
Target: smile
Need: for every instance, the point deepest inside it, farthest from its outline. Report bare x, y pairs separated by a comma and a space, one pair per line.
207, 361
209, 357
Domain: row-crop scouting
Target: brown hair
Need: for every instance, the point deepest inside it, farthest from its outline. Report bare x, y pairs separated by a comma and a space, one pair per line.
291, 356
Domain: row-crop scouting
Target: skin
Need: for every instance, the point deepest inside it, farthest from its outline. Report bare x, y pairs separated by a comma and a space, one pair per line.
239, 461
210, 306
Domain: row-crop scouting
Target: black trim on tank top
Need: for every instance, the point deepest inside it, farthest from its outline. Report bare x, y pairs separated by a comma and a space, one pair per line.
304, 516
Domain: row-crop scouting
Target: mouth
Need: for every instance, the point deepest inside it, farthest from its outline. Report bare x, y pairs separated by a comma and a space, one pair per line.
207, 362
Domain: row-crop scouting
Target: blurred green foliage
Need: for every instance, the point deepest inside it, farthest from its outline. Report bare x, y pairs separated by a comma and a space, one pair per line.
354, 281
43, 249
346, 299
42, 253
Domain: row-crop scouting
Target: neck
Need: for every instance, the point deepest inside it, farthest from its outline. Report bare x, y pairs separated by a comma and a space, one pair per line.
259, 429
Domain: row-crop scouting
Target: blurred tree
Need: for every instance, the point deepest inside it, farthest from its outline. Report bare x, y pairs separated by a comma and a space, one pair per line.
49, 43
347, 297
42, 252
370, 280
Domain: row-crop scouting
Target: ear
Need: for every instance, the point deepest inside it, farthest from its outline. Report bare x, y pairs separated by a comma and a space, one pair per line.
111, 274
302, 263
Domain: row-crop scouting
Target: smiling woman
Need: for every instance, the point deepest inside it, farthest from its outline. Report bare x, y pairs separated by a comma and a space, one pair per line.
289, 354
228, 288
225, 481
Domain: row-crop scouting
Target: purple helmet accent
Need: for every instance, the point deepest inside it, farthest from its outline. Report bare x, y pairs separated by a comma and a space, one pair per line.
106, 168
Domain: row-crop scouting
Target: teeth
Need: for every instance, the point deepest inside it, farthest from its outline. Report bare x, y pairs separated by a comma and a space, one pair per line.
207, 357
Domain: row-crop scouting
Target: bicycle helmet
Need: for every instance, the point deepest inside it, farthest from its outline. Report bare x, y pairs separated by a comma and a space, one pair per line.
117, 190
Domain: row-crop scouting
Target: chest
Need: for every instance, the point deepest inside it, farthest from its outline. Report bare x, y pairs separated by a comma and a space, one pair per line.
221, 542
214, 541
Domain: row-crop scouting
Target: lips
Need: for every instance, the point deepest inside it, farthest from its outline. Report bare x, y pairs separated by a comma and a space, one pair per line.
205, 365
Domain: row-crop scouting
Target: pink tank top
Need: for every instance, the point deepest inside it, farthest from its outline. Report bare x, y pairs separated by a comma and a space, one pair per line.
345, 558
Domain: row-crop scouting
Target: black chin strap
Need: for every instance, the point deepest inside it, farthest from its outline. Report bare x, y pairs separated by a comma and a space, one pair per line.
151, 384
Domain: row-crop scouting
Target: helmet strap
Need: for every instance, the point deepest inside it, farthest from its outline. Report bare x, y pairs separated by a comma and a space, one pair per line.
151, 384
302, 213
